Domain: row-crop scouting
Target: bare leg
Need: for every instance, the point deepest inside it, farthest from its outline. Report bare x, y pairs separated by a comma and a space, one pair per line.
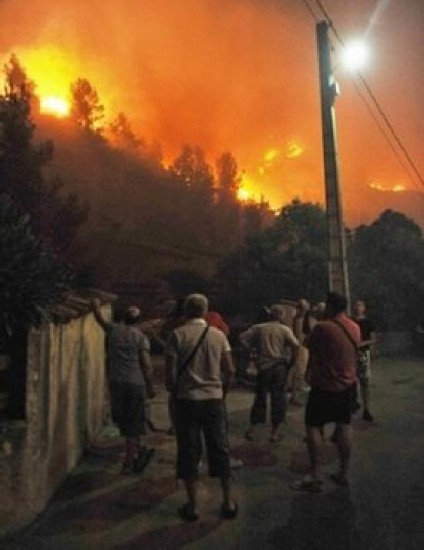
365, 392
344, 445
274, 435
191, 489
226, 492
314, 441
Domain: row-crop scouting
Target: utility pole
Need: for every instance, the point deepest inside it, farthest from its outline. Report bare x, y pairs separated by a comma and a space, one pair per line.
337, 262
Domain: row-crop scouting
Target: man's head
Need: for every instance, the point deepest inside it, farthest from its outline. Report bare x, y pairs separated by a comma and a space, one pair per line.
277, 313
195, 305
132, 315
336, 303
359, 308
303, 305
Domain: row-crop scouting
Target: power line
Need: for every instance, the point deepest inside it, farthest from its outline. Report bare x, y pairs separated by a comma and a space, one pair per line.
377, 105
310, 10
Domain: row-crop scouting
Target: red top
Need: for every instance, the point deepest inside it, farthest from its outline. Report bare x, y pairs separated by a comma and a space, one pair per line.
332, 356
214, 319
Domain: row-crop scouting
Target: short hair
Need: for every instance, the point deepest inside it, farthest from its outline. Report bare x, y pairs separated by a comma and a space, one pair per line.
195, 305
132, 315
336, 301
277, 312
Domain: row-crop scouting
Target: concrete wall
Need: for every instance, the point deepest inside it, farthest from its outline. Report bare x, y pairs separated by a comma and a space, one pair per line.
65, 410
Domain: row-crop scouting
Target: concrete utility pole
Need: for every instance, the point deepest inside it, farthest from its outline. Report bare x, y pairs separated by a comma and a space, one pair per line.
337, 262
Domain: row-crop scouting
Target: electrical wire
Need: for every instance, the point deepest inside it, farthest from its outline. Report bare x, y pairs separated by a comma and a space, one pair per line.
412, 166
310, 10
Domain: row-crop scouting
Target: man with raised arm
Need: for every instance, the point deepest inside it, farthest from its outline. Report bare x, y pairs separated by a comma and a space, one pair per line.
130, 381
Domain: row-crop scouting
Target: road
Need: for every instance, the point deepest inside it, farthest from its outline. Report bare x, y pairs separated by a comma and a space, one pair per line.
97, 507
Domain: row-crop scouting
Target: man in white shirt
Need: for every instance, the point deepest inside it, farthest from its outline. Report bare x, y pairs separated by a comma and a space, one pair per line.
272, 342
198, 363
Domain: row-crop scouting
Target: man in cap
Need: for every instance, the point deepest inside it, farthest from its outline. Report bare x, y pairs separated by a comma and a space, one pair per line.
130, 380
272, 342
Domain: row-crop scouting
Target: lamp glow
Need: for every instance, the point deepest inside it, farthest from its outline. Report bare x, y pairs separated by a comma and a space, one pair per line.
355, 56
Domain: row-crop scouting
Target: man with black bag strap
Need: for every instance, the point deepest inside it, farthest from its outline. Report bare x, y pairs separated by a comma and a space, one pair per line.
331, 372
198, 365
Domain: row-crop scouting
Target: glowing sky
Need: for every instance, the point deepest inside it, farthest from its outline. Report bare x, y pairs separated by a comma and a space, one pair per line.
238, 75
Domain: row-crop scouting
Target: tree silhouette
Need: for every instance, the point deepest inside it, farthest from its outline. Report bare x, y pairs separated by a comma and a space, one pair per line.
122, 132
86, 110
386, 260
30, 277
228, 179
53, 217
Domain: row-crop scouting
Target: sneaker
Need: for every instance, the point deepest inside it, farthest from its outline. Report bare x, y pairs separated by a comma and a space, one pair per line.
236, 463
142, 460
367, 416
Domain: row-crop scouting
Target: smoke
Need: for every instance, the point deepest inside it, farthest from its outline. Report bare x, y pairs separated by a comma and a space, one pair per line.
236, 75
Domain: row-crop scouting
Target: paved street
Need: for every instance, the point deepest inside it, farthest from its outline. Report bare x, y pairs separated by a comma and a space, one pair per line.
383, 508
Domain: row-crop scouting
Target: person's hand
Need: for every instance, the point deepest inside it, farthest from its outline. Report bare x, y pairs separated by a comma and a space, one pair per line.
95, 303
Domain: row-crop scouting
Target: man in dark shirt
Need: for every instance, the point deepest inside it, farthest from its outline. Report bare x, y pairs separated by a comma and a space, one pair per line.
367, 329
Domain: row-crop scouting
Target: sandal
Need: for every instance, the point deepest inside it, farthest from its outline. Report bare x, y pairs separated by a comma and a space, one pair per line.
229, 513
186, 514
307, 484
340, 480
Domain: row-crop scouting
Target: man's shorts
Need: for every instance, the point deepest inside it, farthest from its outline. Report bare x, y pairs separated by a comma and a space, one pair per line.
324, 407
128, 404
193, 418
363, 364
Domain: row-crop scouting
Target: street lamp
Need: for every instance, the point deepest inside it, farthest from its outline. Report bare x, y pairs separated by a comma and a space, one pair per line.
337, 261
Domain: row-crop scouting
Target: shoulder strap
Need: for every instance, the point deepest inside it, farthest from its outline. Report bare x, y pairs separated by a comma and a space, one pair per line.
183, 367
347, 333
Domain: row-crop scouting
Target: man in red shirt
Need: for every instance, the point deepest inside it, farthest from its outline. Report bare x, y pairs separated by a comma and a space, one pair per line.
331, 374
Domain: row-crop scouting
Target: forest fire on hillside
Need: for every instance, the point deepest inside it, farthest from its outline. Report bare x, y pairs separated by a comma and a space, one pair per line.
235, 76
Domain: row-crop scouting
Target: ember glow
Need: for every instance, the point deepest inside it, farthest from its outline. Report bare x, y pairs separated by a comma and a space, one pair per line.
387, 188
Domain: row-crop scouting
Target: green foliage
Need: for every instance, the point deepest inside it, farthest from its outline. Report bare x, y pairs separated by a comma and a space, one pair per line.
386, 262
285, 260
30, 277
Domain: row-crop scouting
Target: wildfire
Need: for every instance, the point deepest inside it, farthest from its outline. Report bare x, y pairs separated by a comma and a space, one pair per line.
53, 105
243, 194
293, 149
377, 186
270, 156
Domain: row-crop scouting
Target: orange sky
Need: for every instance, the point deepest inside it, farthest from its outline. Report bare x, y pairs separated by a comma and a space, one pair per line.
239, 75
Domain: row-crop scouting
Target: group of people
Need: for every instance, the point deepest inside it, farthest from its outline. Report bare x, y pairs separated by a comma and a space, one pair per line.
324, 349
